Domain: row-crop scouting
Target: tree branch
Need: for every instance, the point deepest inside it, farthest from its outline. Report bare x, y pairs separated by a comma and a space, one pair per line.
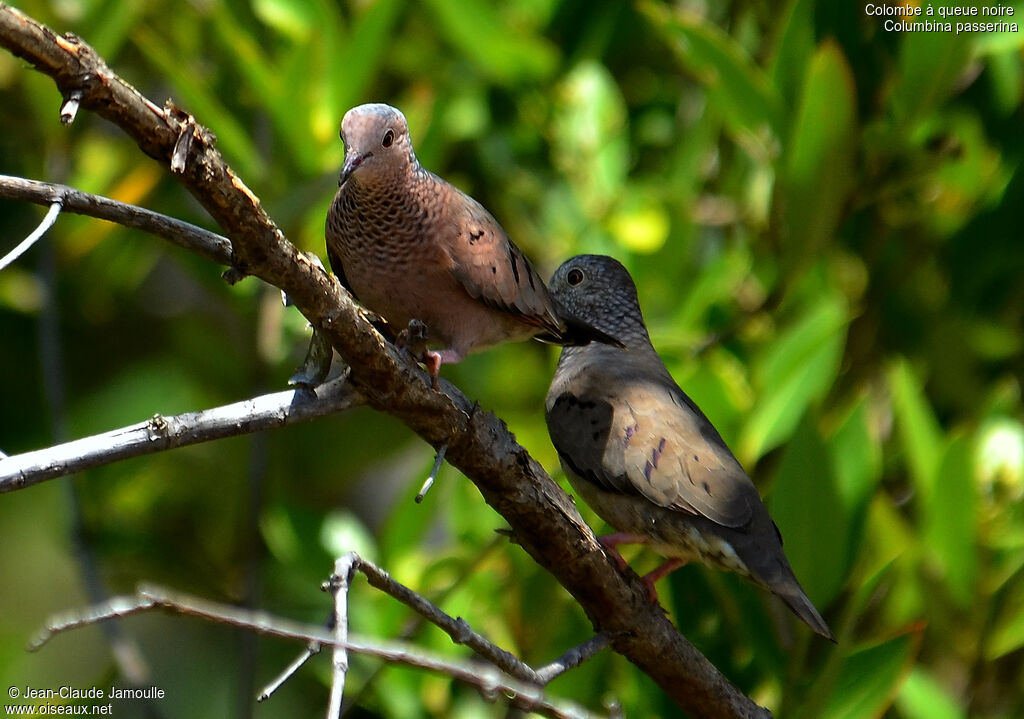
207, 244
490, 682
338, 585
542, 516
162, 433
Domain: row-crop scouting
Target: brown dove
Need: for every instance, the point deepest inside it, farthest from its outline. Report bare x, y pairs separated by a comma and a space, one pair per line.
410, 246
644, 456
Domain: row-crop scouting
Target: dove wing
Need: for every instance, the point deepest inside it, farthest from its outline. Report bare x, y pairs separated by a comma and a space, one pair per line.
491, 268
652, 441
339, 270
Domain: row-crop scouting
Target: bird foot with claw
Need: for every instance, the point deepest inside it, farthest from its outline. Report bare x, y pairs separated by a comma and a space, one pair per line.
413, 339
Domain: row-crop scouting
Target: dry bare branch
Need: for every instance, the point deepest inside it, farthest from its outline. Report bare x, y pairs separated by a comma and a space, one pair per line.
489, 681
341, 579
209, 245
160, 433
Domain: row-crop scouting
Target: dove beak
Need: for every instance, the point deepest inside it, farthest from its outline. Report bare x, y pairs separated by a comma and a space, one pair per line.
352, 162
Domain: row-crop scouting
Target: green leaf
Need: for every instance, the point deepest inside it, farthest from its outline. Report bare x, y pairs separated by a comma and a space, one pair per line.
869, 680
293, 18
932, 64
918, 429
818, 169
949, 520
814, 521
110, 24
353, 59
717, 282
504, 54
857, 455
736, 86
199, 99
1006, 75
924, 697
798, 369
1007, 635
590, 143
795, 48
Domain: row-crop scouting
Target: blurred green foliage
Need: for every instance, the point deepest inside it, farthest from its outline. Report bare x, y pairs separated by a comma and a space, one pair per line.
823, 218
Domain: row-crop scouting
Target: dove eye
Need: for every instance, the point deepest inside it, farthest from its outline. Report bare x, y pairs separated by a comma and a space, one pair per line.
389, 138
574, 277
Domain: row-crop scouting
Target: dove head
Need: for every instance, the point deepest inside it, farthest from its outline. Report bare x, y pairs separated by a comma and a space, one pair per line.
377, 145
599, 291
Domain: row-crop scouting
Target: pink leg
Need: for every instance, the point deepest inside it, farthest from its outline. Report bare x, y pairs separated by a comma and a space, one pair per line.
665, 569
611, 541
435, 359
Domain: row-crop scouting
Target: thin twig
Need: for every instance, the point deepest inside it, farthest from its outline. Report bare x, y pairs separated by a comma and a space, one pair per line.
456, 628
160, 433
22, 247
344, 568
572, 659
311, 650
210, 245
438, 459
490, 682
413, 626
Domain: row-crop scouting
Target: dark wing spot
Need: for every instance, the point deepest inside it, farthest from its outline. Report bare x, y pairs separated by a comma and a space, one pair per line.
475, 235
696, 458
648, 470
631, 431
656, 454
512, 261
494, 270
707, 489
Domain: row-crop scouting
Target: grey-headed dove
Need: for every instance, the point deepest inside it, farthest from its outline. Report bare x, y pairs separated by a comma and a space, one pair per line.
410, 246
644, 456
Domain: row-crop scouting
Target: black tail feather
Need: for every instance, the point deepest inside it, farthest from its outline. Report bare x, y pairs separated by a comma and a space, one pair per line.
578, 333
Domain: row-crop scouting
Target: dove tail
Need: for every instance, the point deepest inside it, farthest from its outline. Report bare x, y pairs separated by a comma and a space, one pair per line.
577, 332
793, 595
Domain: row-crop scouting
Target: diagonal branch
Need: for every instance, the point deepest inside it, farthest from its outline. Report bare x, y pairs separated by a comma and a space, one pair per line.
490, 682
542, 516
456, 628
204, 243
161, 433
